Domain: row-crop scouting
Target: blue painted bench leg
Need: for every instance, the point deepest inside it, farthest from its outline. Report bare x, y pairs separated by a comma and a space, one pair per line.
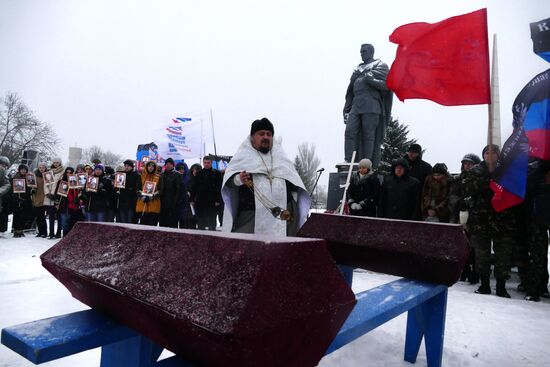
138, 351
427, 320
347, 273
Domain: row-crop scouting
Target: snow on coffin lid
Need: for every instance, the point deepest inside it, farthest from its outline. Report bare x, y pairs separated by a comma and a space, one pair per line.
432, 252
215, 299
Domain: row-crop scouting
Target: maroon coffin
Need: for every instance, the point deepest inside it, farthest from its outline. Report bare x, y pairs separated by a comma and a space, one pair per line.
215, 299
433, 252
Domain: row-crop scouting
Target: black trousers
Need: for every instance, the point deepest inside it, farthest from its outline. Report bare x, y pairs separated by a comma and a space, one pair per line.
206, 218
40, 214
168, 218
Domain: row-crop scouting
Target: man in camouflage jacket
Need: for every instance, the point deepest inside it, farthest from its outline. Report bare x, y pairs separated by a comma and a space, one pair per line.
486, 225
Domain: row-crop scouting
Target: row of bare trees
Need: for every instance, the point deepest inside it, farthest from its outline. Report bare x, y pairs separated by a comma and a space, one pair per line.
97, 154
21, 130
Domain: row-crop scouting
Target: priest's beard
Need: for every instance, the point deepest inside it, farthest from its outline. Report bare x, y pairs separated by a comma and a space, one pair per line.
264, 150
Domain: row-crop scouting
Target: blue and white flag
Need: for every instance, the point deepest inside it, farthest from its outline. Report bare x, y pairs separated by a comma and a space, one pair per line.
183, 137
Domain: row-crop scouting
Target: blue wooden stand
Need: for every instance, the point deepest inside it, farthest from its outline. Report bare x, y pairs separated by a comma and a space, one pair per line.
53, 338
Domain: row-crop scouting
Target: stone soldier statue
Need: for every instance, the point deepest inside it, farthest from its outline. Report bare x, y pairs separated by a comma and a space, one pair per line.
367, 109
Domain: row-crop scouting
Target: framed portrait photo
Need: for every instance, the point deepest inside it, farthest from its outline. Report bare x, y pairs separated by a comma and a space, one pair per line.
63, 188
149, 188
120, 180
82, 178
73, 181
48, 177
31, 180
92, 184
19, 185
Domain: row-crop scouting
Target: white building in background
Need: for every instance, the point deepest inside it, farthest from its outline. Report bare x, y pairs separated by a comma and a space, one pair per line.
75, 156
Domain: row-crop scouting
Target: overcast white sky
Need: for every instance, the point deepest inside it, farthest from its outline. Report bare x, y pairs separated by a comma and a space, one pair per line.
110, 72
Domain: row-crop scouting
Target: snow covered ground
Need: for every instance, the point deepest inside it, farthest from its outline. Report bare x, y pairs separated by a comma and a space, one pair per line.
480, 330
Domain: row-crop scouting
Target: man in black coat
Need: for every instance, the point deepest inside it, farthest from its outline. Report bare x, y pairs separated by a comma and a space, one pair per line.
400, 198
127, 196
169, 195
206, 195
418, 168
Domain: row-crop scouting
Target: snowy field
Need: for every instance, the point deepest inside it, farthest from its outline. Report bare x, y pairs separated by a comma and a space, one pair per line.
480, 330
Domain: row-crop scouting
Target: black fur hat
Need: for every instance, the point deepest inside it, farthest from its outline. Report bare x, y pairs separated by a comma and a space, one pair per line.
262, 124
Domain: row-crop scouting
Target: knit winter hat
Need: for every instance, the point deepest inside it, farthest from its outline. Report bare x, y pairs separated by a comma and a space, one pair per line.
440, 168
365, 163
262, 124
129, 162
57, 159
400, 162
169, 160
22, 166
99, 166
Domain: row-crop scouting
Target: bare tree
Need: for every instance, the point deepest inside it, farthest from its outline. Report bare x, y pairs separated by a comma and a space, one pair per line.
306, 164
97, 154
111, 159
21, 130
93, 153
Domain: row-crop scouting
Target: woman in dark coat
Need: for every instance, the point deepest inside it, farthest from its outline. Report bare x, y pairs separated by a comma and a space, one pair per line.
364, 191
22, 203
98, 203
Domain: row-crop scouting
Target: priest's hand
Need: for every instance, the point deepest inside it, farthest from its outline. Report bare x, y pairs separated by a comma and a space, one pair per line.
245, 177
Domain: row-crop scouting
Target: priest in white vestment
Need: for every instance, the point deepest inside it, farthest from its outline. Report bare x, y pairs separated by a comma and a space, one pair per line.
262, 191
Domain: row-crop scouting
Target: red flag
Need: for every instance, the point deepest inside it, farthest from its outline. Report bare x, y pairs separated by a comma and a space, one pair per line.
446, 62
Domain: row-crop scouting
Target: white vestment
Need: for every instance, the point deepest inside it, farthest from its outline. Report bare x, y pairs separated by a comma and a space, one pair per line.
274, 164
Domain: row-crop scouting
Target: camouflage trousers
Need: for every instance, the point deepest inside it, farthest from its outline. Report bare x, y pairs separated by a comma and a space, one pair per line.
537, 269
502, 245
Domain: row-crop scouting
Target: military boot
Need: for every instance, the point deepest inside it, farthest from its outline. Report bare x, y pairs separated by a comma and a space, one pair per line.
501, 288
485, 287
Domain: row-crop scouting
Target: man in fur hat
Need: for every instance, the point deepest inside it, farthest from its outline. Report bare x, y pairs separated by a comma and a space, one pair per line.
262, 191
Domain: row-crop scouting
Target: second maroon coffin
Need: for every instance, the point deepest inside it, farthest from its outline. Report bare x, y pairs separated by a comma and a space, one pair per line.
215, 299
431, 252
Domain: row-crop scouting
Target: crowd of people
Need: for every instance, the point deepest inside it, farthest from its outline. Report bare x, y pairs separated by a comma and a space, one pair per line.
171, 196
518, 236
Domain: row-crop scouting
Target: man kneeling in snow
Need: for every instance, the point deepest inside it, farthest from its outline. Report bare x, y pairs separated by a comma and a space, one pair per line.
262, 191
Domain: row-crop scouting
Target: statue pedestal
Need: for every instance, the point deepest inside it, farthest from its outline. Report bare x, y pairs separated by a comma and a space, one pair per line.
336, 182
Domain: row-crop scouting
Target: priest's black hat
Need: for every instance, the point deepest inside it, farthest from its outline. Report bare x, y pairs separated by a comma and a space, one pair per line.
262, 124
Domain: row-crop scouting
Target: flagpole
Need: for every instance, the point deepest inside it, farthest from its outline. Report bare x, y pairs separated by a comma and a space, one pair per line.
213, 134
490, 106
202, 142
